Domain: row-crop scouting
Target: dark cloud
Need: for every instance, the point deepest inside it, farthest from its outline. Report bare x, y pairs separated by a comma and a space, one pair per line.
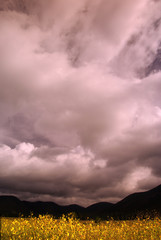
80, 103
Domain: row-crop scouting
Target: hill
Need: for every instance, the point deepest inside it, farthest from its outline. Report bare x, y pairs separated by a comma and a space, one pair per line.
143, 203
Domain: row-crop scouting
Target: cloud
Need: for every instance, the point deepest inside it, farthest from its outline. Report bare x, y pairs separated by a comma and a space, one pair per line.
79, 115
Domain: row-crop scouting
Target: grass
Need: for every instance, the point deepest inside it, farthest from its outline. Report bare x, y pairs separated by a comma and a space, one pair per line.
45, 227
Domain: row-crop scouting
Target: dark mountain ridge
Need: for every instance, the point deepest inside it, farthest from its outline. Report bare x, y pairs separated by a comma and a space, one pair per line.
140, 203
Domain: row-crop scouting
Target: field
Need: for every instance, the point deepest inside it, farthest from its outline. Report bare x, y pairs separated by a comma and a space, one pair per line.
45, 227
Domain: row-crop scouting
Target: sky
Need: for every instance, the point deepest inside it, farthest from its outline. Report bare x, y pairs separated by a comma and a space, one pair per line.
80, 103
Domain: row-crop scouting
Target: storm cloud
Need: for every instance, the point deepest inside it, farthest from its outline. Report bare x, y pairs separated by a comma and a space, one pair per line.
80, 100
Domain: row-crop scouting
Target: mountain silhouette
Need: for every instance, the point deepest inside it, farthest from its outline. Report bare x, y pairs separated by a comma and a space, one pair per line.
140, 203
148, 202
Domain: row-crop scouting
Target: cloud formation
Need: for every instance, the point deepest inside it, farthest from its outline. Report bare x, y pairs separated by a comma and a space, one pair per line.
80, 116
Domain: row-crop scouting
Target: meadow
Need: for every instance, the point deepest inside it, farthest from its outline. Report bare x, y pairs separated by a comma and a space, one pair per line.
46, 227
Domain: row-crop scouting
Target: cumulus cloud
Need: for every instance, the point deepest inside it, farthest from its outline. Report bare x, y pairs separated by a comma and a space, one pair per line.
80, 109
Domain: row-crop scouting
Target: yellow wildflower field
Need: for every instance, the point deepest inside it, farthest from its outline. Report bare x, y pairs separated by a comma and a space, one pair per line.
46, 227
